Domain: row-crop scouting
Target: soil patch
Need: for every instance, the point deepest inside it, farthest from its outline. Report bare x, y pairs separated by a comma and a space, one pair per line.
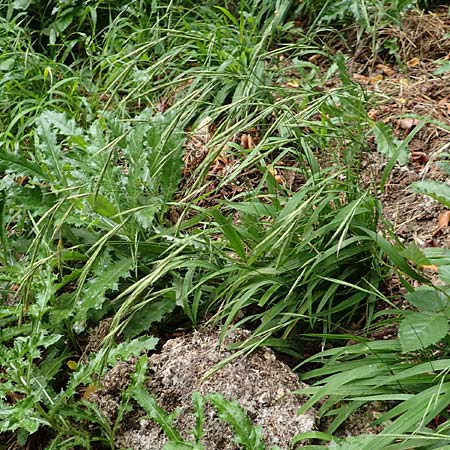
259, 382
414, 100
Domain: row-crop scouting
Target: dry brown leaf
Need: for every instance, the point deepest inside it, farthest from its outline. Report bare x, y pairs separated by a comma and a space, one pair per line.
375, 78
244, 141
407, 123
203, 132
13, 397
430, 267
104, 97
385, 69
419, 157
88, 391
360, 78
271, 170
314, 58
413, 62
223, 158
444, 103
251, 142
372, 114
22, 180
163, 105
443, 221
292, 84
274, 172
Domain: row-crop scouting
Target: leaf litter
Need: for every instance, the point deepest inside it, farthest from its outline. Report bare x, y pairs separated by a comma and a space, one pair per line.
410, 93
261, 384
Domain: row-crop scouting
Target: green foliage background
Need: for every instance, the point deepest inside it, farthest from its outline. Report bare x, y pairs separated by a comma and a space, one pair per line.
98, 101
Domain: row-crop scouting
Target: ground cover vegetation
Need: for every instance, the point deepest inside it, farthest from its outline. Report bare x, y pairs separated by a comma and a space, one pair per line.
166, 164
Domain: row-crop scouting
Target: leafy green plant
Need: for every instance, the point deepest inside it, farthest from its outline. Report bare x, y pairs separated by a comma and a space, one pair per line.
393, 148
99, 105
279, 275
409, 373
430, 324
417, 391
34, 360
435, 189
366, 14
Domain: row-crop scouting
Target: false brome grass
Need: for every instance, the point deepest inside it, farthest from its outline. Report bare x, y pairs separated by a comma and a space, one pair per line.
101, 222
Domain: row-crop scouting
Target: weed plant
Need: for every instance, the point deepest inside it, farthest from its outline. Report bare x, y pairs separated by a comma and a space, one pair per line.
368, 15
98, 102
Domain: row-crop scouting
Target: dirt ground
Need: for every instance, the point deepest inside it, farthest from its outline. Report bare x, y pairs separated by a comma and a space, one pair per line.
409, 92
261, 383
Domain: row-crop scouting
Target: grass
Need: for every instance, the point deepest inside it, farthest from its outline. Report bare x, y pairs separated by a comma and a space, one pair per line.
101, 217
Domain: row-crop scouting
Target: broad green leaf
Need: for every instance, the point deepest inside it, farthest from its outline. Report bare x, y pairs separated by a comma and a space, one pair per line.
150, 313
21, 416
156, 413
312, 435
63, 22
444, 165
21, 4
199, 413
140, 372
133, 348
415, 254
400, 154
58, 120
229, 231
438, 256
388, 145
427, 298
228, 15
444, 67
444, 273
18, 161
101, 205
419, 330
93, 293
164, 150
247, 435
7, 64
434, 189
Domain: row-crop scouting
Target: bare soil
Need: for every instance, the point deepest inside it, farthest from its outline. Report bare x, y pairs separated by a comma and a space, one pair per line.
408, 93
259, 382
